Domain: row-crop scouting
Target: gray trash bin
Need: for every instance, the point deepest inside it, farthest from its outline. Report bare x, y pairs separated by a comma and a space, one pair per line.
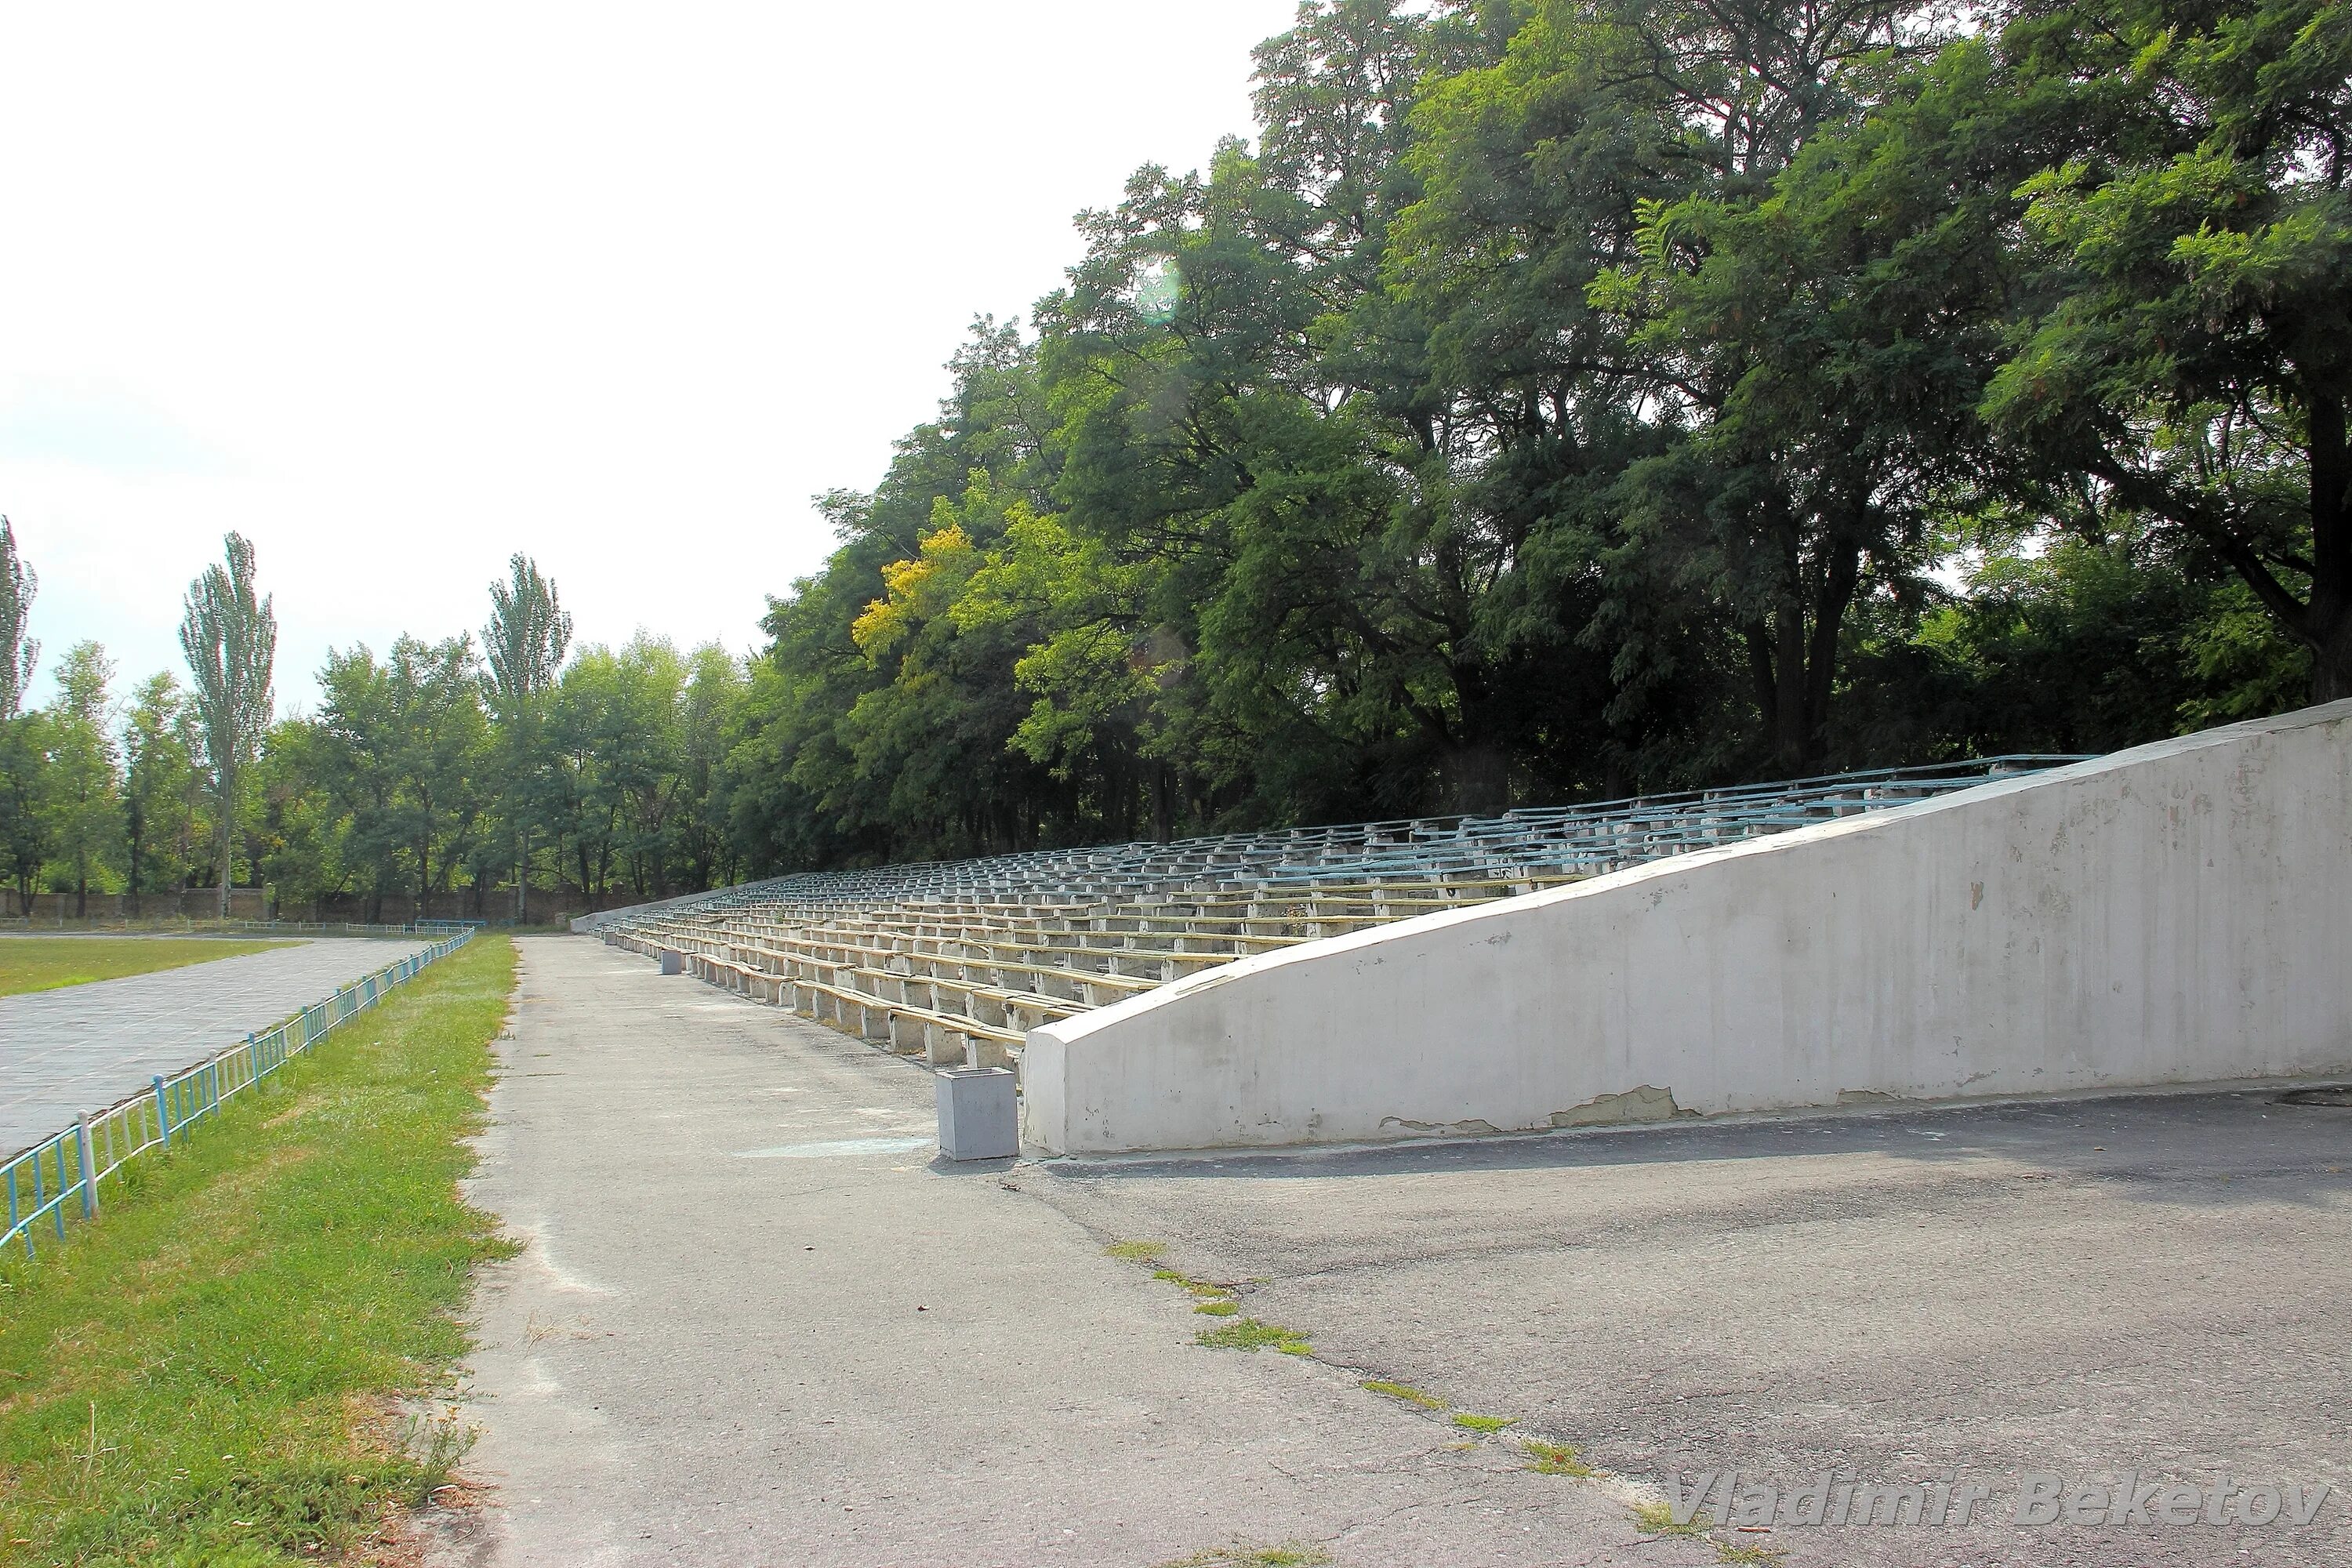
979, 1117
673, 961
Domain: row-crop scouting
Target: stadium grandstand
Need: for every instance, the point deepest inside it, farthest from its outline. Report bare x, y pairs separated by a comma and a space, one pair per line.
955, 961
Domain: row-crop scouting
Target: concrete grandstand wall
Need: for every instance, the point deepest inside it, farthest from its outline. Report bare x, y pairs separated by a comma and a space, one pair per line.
2172, 914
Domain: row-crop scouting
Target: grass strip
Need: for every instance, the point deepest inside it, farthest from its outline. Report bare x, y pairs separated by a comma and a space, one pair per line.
47, 963
213, 1373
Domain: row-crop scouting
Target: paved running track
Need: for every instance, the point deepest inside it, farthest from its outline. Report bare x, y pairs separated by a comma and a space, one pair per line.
754, 1325
81, 1048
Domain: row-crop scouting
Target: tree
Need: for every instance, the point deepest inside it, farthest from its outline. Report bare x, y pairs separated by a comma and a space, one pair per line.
18, 652
24, 750
354, 756
524, 644
25, 817
231, 642
159, 779
2187, 246
714, 691
437, 744
83, 795
307, 827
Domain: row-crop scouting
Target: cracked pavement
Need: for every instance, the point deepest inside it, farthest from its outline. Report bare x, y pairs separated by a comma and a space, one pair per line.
755, 1323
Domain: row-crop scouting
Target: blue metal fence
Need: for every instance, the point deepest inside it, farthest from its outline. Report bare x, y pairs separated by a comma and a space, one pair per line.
65, 1172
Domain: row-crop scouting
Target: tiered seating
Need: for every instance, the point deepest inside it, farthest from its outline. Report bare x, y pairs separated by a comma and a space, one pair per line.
956, 961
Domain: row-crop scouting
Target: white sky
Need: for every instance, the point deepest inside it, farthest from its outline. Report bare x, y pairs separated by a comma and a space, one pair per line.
399, 292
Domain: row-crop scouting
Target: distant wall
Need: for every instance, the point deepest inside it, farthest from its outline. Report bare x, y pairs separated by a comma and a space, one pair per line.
194, 903
2176, 913
597, 918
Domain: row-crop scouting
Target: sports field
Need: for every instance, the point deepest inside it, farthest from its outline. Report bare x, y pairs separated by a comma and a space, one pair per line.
45, 962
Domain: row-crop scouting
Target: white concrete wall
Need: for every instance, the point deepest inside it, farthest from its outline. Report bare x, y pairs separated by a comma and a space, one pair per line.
2177, 913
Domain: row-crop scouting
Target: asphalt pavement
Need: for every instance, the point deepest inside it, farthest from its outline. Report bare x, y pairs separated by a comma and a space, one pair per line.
756, 1321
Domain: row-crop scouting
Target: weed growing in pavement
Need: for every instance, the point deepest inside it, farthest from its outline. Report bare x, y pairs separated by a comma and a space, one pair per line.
1405, 1391
1554, 1459
1251, 1335
1485, 1423
1213, 1301
1289, 1555
1657, 1519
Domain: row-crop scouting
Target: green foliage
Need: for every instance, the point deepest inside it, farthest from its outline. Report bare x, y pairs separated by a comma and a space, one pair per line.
84, 811
1551, 401
2185, 335
1567, 401
230, 638
18, 652
166, 834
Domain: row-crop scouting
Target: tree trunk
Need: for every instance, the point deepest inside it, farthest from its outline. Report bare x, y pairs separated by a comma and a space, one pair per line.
228, 835
1792, 727
2328, 621
1163, 803
2331, 660
1476, 780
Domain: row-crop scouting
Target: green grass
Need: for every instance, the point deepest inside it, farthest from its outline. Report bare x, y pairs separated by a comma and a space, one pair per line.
1554, 1458
1289, 1555
213, 1373
45, 962
1249, 1334
1209, 1300
1405, 1391
1657, 1519
1136, 1251
1485, 1423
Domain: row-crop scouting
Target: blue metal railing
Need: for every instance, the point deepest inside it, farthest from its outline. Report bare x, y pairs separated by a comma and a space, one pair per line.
65, 1170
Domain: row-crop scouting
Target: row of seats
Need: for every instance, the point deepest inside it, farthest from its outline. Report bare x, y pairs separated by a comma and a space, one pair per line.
955, 962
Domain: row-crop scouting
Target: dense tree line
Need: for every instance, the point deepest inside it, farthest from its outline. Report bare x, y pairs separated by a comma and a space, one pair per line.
445, 776
1550, 401
1564, 400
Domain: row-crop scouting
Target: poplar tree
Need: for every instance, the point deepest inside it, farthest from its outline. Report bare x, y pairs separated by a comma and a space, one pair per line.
525, 642
17, 651
231, 641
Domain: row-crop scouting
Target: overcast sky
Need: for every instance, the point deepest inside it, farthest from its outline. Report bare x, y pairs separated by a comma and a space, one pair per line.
401, 291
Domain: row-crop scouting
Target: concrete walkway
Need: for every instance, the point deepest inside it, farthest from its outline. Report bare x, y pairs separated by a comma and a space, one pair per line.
81, 1048
754, 1325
